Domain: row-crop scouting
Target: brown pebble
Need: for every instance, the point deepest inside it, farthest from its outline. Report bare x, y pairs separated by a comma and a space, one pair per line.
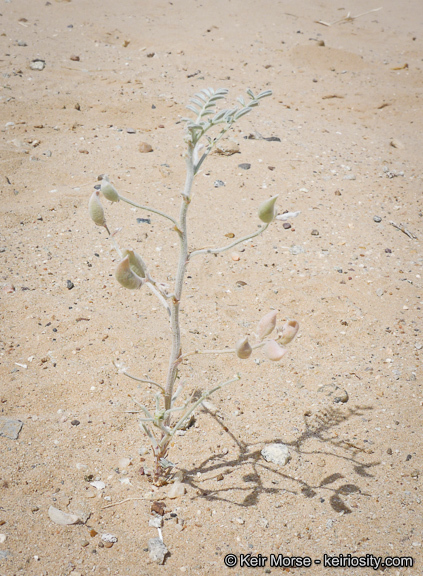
144, 148
337, 193
220, 477
321, 43
271, 167
78, 106
75, 58
158, 507
314, 232
108, 544
93, 532
84, 543
2, 522
100, 545
389, 451
230, 235
235, 256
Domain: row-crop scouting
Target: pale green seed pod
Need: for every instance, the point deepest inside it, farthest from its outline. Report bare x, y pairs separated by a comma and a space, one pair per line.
126, 277
266, 325
109, 191
136, 263
288, 332
267, 210
96, 210
243, 348
273, 351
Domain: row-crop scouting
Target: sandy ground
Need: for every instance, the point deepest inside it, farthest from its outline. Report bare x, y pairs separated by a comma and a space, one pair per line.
347, 108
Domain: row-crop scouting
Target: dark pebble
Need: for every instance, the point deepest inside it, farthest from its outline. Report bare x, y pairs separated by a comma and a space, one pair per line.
143, 220
153, 106
286, 225
75, 422
218, 183
377, 219
388, 250
408, 457
131, 131
158, 508
272, 139
389, 451
244, 166
314, 232
173, 515
69, 284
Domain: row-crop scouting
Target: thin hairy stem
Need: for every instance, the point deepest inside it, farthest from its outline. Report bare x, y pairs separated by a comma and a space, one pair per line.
229, 246
149, 209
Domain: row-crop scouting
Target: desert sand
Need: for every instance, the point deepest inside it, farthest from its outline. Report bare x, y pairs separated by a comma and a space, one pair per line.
85, 87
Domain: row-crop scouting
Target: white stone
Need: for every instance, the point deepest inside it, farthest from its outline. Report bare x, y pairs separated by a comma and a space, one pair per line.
177, 489
62, 518
276, 453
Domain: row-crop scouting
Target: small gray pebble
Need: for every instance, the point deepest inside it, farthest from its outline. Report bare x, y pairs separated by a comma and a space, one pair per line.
218, 183
377, 219
244, 166
69, 284
314, 232
131, 131
286, 225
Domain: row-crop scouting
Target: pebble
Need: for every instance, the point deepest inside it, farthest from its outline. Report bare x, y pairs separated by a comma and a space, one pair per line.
176, 490
98, 484
158, 507
4, 554
349, 177
2, 538
235, 256
276, 453
69, 284
108, 544
22, 43
244, 166
93, 532
286, 225
315, 232
109, 538
294, 250
37, 65
75, 422
396, 144
157, 550
9, 288
62, 518
124, 463
156, 522
10, 428
218, 183
75, 58
339, 395
377, 219
131, 131
144, 148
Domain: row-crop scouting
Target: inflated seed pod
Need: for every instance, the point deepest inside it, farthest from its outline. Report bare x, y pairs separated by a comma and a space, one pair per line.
136, 263
96, 211
288, 332
243, 348
266, 325
109, 191
273, 351
267, 210
126, 277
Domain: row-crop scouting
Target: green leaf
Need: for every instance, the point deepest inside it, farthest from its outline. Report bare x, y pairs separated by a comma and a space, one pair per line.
189, 107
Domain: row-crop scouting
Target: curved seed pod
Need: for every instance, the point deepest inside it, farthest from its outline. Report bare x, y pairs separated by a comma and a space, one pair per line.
109, 191
96, 210
266, 325
243, 348
273, 351
136, 263
126, 277
267, 210
288, 332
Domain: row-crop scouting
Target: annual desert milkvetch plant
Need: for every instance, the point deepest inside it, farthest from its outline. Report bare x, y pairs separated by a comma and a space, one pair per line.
132, 272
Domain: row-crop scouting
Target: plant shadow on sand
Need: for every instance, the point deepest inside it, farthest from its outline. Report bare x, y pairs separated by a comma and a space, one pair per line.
320, 428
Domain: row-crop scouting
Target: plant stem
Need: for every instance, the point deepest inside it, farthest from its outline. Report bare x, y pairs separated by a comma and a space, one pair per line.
229, 246
175, 356
149, 209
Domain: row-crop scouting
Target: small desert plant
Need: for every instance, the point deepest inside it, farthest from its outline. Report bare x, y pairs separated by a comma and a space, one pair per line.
132, 273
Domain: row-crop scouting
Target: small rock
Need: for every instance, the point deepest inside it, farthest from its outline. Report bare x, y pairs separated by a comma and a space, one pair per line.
108, 544
332, 390
244, 166
415, 474
157, 550
240, 521
218, 183
84, 543
276, 453
315, 232
235, 256
286, 225
380, 292
4, 554
338, 193
69, 284
62, 518
158, 507
131, 131
109, 538
75, 58
156, 522
377, 219
75, 422
272, 139
98, 484
93, 532
349, 177
396, 144
176, 490
3, 538
294, 250
9, 288
37, 65
10, 428
220, 477
124, 463
144, 148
